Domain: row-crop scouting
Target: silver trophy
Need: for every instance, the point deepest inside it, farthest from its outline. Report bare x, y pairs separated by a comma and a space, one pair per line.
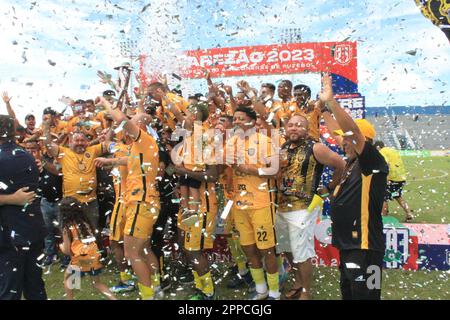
124, 71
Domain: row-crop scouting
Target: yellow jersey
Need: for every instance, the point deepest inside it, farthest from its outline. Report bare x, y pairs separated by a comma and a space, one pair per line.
250, 191
79, 172
397, 170
167, 117
143, 165
313, 116
284, 110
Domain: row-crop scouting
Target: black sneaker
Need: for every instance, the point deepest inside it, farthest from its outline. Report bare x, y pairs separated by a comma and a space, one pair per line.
236, 281
249, 282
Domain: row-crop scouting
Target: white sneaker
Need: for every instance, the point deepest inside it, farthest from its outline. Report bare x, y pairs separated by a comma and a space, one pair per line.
259, 296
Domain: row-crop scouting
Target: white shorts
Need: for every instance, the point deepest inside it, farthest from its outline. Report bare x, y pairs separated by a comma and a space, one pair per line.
295, 233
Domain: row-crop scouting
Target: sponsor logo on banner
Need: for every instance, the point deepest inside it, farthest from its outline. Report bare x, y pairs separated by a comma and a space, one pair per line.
397, 247
322, 232
354, 104
274, 59
343, 53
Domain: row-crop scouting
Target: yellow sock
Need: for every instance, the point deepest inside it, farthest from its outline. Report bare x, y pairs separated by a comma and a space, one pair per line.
242, 267
207, 282
146, 292
156, 280
125, 276
273, 281
198, 282
258, 275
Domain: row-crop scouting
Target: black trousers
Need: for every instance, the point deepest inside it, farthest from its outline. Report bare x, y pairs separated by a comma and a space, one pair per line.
361, 274
105, 204
19, 273
167, 210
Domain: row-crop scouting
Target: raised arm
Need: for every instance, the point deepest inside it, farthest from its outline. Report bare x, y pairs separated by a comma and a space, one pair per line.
9, 109
119, 117
344, 120
327, 157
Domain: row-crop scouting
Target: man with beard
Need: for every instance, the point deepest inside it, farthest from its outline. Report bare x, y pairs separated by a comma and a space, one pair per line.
78, 168
300, 176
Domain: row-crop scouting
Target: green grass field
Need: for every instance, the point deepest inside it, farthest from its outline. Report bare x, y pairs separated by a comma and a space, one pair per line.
427, 190
426, 193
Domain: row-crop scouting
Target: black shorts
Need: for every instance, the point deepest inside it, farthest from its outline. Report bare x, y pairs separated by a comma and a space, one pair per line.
189, 182
394, 190
361, 274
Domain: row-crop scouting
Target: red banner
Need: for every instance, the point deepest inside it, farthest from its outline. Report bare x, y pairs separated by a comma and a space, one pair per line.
336, 57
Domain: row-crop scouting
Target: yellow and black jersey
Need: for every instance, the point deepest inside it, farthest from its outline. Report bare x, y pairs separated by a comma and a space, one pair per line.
357, 203
300, 176
143, 165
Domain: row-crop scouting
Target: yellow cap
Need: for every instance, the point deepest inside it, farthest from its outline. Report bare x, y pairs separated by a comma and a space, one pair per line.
364, 126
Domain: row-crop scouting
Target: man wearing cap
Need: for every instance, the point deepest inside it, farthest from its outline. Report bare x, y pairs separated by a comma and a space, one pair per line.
102, 115
356, 205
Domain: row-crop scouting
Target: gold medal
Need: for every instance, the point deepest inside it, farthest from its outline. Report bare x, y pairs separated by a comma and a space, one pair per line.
81, 166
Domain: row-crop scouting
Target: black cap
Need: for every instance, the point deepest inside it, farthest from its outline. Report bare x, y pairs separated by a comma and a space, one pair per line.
28, 116
109, 93
80, 101
50, 111
177, 91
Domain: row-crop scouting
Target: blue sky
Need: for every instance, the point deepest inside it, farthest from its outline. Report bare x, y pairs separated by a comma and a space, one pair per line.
83, 36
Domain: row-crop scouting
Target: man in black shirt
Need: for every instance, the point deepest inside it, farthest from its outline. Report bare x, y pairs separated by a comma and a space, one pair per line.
22, 229
357, 204
50, 191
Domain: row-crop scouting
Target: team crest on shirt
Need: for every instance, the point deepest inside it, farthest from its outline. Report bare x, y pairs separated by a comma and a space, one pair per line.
87, 155
251, 151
